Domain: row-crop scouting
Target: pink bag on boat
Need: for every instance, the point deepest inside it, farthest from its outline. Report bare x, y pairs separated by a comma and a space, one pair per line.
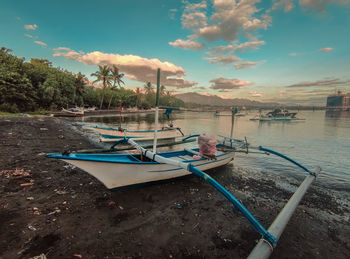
207, 145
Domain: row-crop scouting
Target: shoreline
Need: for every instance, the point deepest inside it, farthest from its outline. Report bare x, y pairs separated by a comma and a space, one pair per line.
181, 218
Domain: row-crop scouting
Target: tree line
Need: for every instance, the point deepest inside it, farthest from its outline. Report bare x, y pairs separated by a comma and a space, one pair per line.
35, 85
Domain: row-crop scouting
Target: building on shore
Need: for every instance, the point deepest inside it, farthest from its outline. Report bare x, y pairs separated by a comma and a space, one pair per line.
339, 102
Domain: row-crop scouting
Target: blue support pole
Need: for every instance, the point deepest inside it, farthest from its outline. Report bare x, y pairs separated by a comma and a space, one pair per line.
285, 157
266, 235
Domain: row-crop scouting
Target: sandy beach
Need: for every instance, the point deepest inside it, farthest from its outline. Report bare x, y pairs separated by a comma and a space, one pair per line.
65, 213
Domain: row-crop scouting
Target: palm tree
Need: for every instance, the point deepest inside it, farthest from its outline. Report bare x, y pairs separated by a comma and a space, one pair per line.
148, 88
5, 50
103, 75
117, 79
162, 90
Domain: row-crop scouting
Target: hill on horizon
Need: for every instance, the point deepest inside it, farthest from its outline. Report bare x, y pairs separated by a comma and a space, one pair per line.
214, 100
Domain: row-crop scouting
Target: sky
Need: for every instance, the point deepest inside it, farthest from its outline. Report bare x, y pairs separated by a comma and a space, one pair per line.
286, 51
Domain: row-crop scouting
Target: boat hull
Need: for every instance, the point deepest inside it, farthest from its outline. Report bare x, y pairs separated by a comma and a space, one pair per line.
116, 175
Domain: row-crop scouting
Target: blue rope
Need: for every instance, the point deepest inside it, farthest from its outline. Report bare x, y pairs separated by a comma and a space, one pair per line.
270, 238
285, 157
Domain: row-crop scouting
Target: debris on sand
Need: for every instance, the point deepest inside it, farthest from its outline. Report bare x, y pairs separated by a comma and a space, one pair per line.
42, 256
26, 184
16, 174
31, 228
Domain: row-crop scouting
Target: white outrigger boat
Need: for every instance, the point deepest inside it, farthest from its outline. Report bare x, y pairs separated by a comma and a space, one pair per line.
116, 170
119, 170
112, 135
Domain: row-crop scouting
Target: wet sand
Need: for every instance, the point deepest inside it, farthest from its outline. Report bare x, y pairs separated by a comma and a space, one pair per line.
66, 212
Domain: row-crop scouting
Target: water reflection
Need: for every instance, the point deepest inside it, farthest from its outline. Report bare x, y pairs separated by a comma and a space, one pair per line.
322, 139
337, 114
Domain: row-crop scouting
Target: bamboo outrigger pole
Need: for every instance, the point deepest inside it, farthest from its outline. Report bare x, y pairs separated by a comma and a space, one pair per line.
264, 249
157, 112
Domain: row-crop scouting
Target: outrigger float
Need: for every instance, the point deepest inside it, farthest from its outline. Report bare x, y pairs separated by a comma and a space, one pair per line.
116, 170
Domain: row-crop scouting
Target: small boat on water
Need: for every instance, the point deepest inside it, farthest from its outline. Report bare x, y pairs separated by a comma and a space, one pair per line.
240, 114
276, 115
90, 109
112, 134
71, 112
74, 111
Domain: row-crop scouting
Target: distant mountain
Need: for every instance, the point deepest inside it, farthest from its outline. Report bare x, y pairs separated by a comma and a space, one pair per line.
214, 100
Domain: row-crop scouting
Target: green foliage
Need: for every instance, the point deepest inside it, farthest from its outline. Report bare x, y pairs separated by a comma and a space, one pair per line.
37, 85
11, 108
16, 89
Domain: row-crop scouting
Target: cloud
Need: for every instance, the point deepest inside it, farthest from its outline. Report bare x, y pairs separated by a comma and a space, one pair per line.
325, 49
31, 27
225, 84
255, 24
223, 48
172, 13
223, 60
194, 16
194, 20
249, 45
136, 68
294, 54
255, 94
194, 6
227, 19
187, 44
323, 83
61, 48
287, 4
210, 33
248, 64
28, 35
218, 56
40, 43
238, 48
320, 5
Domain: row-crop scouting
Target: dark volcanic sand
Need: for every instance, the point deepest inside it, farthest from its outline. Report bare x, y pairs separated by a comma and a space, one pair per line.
182, 218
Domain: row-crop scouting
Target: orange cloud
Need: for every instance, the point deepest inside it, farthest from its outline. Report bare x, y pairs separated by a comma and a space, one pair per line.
40, 43
136, 68
30, 26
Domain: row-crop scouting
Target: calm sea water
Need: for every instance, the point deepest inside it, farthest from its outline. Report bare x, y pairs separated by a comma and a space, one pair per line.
322, 139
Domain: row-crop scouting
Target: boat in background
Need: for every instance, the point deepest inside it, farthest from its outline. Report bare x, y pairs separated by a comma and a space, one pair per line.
77, 111
240, 114
112, 134
71, 112
276, 115
90, 109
